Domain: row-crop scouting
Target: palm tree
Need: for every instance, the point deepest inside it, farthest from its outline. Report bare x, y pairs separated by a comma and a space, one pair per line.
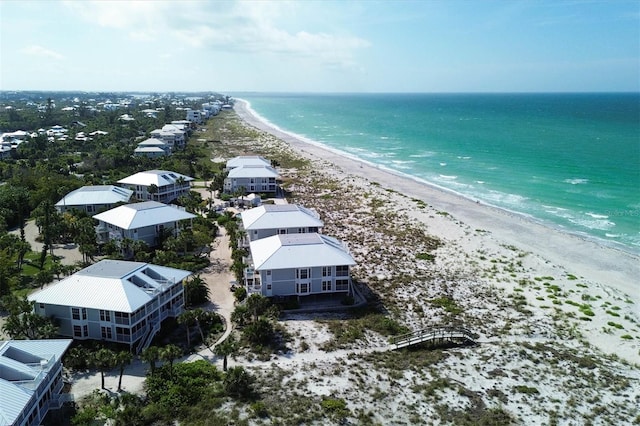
104, 359
187, 318
122, 358
224, 349
152, 190
196, 291
150, 355
169, 354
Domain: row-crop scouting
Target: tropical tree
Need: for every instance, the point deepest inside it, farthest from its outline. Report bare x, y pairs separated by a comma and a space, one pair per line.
196, 291
104, 359
226, 348
169, 354
152, 190
23, 323
123, 358
238, 382
187, 318
150, 355
86, 238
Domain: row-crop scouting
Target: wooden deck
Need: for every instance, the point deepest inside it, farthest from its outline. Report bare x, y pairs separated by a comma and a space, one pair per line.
434, 336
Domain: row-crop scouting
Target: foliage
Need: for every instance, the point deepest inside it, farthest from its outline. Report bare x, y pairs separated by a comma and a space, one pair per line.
170, 393
23, 323
196, 291
238, 382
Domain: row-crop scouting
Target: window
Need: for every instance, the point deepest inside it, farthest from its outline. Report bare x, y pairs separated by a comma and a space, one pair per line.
77, 331
269, 286
303, 274
302, 287
75, 313
342, 270
326, 285
41, 305
326, 271
106, 333
268, 272
342, 285
90, 209
282, 231
85, 330
105, 316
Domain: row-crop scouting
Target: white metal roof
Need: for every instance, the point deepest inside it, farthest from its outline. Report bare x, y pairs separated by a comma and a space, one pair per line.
298, 251
138, 215
252, 172
152, 142
155, 177
247, 160
98, 194
280, 216
112, 285
24, 359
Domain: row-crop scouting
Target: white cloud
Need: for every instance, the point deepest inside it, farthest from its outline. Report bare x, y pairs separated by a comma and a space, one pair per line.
236, 27
37, 50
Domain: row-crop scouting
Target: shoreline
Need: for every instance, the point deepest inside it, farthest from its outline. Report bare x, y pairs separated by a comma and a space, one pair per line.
585, 258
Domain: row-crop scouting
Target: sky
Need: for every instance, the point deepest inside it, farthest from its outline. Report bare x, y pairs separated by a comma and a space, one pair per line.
321, 46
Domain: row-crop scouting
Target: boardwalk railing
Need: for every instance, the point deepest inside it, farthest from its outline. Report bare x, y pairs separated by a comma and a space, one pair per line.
434, 336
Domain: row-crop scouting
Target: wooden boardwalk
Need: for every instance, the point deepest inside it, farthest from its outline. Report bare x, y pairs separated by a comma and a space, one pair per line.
434, 336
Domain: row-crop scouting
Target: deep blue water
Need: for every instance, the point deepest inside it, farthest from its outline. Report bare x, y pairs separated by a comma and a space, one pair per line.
571, 161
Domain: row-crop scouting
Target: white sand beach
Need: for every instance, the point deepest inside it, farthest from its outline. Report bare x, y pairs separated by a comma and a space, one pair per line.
608, 266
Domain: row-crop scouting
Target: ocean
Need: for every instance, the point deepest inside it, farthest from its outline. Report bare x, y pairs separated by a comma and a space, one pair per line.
570, 161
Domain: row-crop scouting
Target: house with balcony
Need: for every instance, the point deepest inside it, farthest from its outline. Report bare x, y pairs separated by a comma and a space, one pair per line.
148, 221
166, 146
251, 179
31, 380
114, 301
174, 138
164, 186
298, 265
94, 199
273, 219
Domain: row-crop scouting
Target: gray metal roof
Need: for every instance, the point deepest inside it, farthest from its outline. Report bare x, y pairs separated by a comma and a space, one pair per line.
139, 215
112, 285
298, 251
22, 364
280, 216
98, 194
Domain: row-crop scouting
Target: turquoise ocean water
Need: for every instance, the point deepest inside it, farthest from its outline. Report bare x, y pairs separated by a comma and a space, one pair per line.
571, 161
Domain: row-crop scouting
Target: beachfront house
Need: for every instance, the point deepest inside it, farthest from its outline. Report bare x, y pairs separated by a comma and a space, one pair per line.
247, 179
195, 116
93, 199
148, 221
114, 301
273, 219
31, 380
166, 146
298, 265
174, 138
164, 186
